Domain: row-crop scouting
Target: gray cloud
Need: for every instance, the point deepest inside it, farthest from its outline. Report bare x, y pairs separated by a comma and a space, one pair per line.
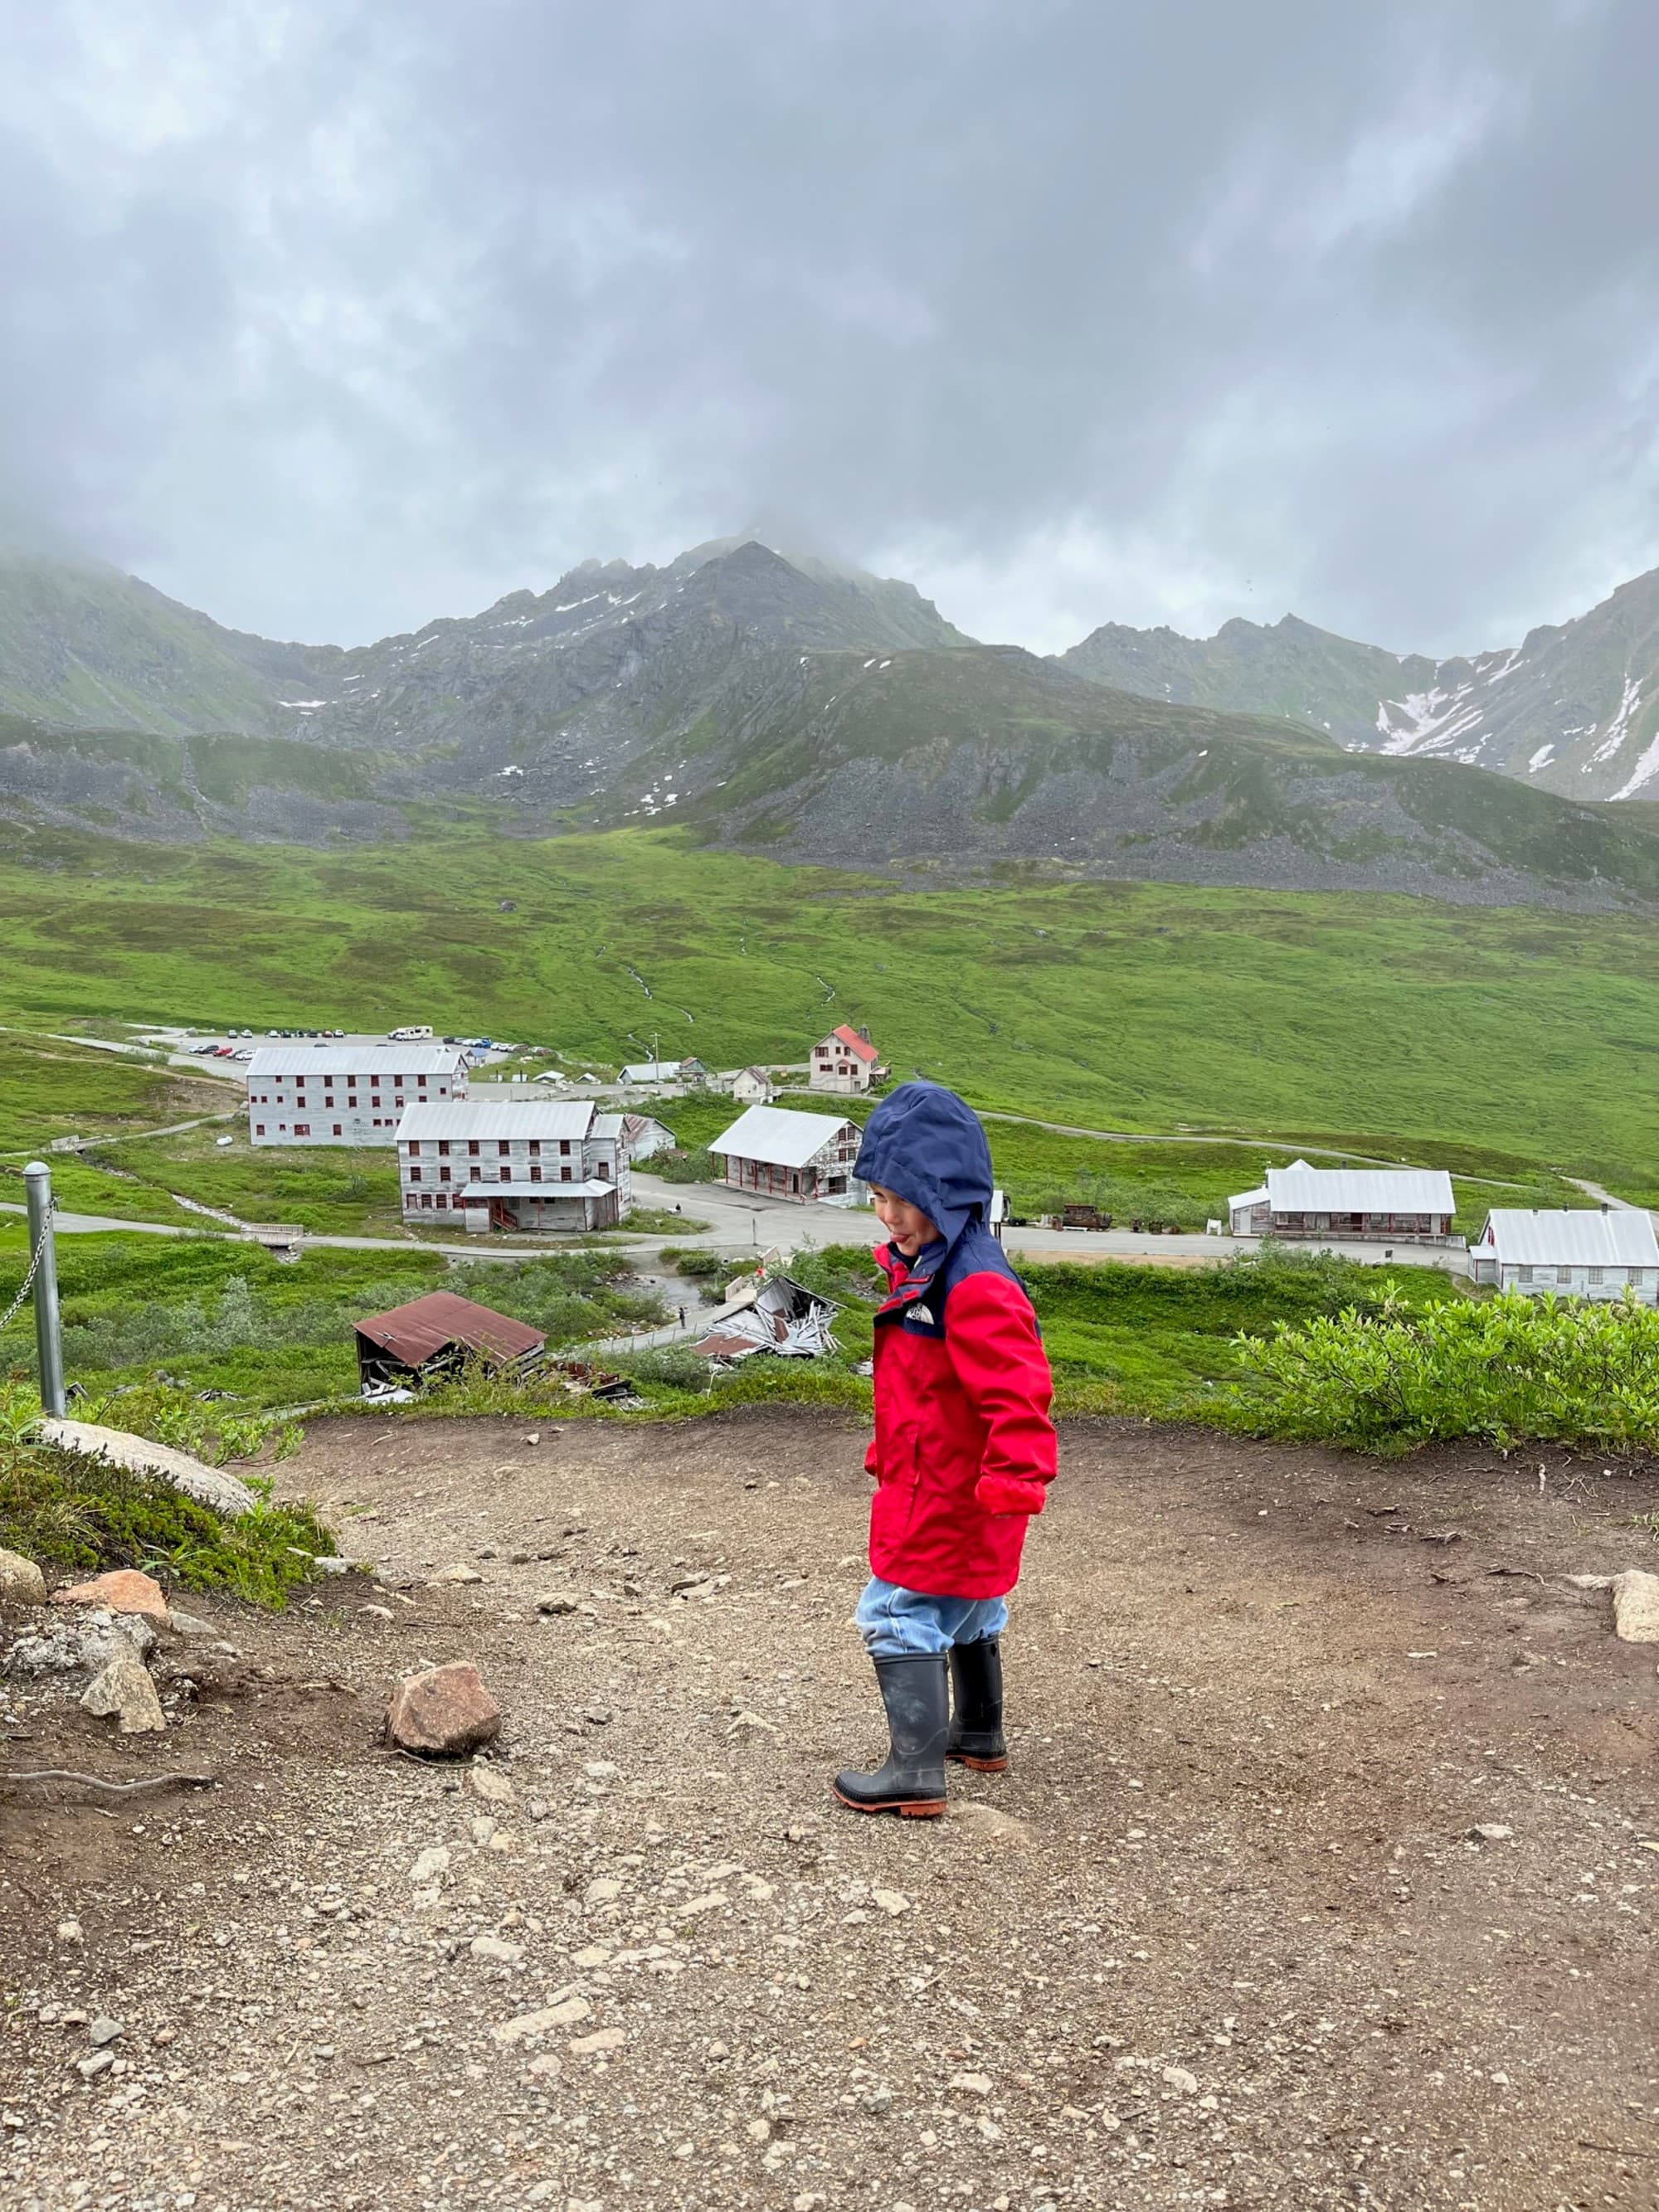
332, 317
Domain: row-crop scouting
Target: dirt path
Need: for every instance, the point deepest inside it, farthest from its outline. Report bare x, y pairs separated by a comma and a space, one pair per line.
1223, 1936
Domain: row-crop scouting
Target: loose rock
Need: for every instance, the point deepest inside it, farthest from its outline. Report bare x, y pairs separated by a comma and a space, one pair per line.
457, 1574
444, 1713
124, 1590
21, 1581
123, 1691
1636, 1607
492, 1786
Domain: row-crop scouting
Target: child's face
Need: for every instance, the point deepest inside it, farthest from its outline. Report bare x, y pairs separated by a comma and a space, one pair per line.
907, 1225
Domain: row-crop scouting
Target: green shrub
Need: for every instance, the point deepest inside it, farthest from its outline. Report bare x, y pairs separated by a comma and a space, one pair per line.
700, 1267
1391, 1378
694, 1166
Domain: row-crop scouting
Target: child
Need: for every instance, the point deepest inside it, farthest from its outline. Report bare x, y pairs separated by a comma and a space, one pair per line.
963, 1450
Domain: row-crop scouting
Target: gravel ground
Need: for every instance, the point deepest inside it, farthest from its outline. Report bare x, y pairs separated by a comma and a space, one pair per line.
1223, 1936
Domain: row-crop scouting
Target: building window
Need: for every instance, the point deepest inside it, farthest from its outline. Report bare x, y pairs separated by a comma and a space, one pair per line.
565, 1175
443, 1202
535, 1174
1524, 1274
414, 1148
504, 1149
259, 1129
443, 1175
398, 1080
564, 1145
426, 1198
443, 1148
535, 1148
476, 1174
472, 1148
1595, 1275
302, 1128
414, 1175
603, 1170
421, 1079
337, 1131
327, 1101
1564, 1274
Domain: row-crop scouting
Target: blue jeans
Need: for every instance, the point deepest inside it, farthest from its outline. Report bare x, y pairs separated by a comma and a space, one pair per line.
898, 1624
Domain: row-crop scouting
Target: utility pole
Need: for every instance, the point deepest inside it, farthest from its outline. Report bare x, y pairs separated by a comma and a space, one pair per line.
48, 1335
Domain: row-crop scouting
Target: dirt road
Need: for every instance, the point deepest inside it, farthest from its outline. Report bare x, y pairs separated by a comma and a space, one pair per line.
1226, 1934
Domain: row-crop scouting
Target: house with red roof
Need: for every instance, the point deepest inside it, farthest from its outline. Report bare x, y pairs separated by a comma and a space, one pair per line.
844, 1061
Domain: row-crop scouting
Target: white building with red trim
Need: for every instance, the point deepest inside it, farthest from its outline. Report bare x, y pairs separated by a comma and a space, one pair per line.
844, 1061
531, 1163
347, 1094
788, 1155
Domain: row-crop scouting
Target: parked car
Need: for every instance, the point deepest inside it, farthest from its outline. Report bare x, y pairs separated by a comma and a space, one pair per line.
223, 1051
245, 1053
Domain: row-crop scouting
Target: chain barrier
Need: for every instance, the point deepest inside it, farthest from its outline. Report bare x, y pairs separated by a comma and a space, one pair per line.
7, 1318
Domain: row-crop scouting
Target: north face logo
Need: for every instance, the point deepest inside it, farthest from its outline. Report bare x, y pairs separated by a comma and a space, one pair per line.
919, 1313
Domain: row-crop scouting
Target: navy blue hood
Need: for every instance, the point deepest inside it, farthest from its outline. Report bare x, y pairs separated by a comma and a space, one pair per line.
926, 1144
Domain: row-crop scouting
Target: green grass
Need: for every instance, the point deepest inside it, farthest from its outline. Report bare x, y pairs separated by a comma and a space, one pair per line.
1488, 1037
215, 1315
50, 1089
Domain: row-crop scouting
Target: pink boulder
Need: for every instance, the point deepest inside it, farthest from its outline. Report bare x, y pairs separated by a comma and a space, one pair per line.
126, 1590
444, 1713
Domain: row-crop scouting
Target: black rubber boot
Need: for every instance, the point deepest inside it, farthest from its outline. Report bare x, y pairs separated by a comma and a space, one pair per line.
975, 1738
916, 1692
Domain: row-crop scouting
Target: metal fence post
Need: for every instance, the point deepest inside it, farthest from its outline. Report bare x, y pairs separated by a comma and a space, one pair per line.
48, 1334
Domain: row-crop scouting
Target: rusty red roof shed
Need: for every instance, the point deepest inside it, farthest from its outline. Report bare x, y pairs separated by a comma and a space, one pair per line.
440, 1321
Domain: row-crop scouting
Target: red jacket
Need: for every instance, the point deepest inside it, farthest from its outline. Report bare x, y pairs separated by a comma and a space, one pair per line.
963, 1448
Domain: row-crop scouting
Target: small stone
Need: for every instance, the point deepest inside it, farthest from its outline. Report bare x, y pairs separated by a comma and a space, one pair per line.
1177, 2077
490, 1783
599, 1769
972, 2085
1636, 1607
374, 1612
191, 1623
105, 2029
527, 2026
556, 1601
709, 1902
592, 1955
1490, 1831
534, 1437
443, 1713
21, 1581
99, 2062
126, 1590
495, 1949
889, 1901
602, 1889
432, 1865
121, 1690
69, 1932
603, 2038
457, 1574
758, 2130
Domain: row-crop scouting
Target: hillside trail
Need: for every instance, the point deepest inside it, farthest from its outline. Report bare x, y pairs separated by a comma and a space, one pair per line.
1324, 1874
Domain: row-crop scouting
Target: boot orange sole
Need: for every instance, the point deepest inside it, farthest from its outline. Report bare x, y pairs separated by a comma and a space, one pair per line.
912, 1808
979, 1766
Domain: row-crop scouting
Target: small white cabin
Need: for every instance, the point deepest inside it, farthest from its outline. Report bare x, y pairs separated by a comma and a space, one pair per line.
1572, 1252
753, 1086
1405, 1206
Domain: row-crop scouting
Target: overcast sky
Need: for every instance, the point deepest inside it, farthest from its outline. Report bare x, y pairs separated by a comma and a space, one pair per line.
329, 318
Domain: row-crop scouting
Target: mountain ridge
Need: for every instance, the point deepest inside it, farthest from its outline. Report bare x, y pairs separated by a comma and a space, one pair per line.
1574, 708
787, 705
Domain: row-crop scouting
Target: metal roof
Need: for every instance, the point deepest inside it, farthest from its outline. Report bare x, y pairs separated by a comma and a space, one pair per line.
1578, 1236
1257, 1197
373, 1059
653, 1071
559, 1120
778, 1136
860, 1047
414, 1333
1299, 1189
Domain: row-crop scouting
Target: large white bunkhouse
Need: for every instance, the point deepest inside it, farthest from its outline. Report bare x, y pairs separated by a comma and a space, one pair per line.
844, 1061
786, 1155
1573, 1252
531, 1163
1409, 1206
346, 1094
